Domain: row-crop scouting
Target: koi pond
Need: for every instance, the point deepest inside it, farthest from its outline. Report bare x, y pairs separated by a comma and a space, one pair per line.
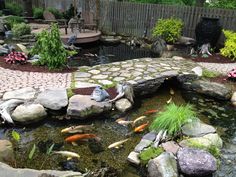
95, 155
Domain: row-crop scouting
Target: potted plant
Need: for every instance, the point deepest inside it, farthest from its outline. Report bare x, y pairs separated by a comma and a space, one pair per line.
168, 29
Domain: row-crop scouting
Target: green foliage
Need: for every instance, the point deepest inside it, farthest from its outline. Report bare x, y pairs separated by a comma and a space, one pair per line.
55, 12
227, 4
11, 20
38, 13
209, 74
21, 29
173, 118
215, 151
14, 8
15, 135
70, 93
230, 45
168, 29
149, 153
49, 151
32, 152
50, 49
68, 14
1, 14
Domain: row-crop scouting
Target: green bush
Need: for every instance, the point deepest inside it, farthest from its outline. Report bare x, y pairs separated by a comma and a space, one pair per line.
38, 13
230, 45
14, 8
50, 49
21, 29
55, 12
11, 20
173, 118
168, 29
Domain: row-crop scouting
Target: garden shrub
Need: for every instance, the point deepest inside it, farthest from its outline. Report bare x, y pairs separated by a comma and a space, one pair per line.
168, 29
55, 12
14, 8
21, 29
173, 118
38, 13
11, 20
230, 45
50, 48
16, 58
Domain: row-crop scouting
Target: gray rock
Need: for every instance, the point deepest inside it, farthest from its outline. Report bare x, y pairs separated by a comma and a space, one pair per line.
151, 136
24, 94
197, 70
195, 162
163, 166
123, 105
134, 158
54, 99
186, 40
7, 171
142, 144
6, 152
206, 141
197, 128
158, 47
170, 146
81, 106
233, 99
82, 75
29, 113
212, 89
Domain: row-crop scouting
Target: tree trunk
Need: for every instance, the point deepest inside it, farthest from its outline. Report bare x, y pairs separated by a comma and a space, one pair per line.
200, 3
28, 10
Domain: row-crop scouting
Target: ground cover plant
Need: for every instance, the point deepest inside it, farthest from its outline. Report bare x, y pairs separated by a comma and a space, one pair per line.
168, 29
21, 29
16, 58
173, 117
230, 45
209, 74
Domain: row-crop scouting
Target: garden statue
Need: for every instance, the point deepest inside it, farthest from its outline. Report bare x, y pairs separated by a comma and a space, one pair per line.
99, 94
124, 90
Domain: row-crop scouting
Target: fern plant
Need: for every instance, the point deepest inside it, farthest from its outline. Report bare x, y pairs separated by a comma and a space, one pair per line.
230, 45
168, 29
50, 48
173, 118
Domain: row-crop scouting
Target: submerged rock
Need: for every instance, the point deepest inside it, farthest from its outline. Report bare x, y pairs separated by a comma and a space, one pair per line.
163, 166
8, 171
123, 105
24, 94
197, 128
29, 113
134, 158
95, 146
6, 152
81, 107
195, 162
54, 99
69, 165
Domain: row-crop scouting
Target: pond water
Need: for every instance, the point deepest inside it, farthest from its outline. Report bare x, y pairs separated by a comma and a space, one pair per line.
99, 53
43, 135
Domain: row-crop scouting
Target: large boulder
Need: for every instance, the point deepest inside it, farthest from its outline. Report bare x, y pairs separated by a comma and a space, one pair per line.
205, 141
54, 99
29, 113
197, 128
196, 162
158, 47
163, 166
212, 89
81, 107
8, 171
123, 105
6, 152
24, 94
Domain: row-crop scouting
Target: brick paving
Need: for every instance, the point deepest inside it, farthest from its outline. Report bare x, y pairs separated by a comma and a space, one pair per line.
13, 80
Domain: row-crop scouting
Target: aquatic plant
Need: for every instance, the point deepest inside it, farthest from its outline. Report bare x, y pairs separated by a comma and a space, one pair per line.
149, 153
21, 29
230, 45
173, 118
15, 135
50, 48
38, 13
209, 74
168, 29
32, 152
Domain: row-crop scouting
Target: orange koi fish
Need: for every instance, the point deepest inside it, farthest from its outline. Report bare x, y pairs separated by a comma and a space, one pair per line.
151, 111
77, 137
140, 128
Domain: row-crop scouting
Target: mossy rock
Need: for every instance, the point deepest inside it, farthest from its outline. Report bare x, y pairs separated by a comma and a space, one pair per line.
149, 153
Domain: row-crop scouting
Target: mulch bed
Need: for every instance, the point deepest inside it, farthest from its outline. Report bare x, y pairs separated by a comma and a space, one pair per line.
215, 58
32, 68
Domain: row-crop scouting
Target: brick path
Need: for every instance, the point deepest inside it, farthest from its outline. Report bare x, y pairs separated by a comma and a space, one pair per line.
13, 80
